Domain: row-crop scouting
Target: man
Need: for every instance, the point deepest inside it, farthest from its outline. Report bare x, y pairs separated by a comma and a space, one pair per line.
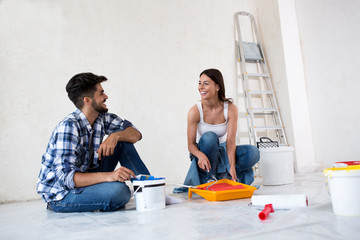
78, 168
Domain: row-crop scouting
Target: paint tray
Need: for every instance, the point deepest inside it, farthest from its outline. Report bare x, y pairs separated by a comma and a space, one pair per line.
222, 190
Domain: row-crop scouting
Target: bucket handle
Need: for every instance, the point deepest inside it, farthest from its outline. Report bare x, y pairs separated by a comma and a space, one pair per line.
140, 186
265, 138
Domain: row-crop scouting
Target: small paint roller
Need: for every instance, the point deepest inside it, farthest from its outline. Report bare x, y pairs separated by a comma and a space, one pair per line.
287, 201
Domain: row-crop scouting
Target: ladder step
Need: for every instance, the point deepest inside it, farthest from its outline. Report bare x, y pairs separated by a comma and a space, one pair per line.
263, 114
267, 127
257, 74
260, 92
263, 109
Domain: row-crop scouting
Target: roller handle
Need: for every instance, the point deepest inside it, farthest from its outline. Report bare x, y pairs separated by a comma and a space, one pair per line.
267, 210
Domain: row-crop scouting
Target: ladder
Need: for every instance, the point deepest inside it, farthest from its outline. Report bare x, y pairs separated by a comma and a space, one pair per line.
260, 106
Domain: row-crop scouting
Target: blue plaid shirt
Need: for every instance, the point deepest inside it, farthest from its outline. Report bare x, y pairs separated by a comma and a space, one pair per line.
68, 152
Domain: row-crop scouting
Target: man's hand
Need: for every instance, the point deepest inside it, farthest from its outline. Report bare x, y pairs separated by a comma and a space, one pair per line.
86, 179
108, 146
121, 174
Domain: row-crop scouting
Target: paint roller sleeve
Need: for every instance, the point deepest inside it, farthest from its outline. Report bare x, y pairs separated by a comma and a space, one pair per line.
280, 201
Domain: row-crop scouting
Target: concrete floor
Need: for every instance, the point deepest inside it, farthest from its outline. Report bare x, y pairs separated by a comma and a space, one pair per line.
194, 218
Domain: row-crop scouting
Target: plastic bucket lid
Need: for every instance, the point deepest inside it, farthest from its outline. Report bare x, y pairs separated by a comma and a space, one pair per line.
345, 163
149, 183
353, 170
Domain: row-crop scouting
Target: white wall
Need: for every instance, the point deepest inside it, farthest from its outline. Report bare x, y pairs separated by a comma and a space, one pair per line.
151, 52
330, 37
279, 30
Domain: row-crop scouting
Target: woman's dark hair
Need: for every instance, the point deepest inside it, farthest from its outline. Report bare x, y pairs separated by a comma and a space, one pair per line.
217, 77
82, 85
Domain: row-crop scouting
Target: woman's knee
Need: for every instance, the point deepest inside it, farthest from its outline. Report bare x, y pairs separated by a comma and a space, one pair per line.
247, 156
209, 138
254, 154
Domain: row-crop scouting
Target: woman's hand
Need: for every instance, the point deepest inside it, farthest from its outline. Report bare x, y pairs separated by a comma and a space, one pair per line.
233, 173
204, 163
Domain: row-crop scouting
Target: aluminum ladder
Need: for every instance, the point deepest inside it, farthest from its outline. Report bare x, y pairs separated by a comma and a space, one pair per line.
261, 109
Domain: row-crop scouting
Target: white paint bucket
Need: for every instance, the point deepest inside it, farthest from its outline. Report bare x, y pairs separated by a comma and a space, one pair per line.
276, 165
149, 194
343, 187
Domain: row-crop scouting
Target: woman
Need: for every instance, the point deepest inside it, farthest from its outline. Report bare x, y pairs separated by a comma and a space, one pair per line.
211, 131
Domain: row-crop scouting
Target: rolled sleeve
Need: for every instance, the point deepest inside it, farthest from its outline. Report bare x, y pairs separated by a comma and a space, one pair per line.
66, 142
69, 180
125, 124
113, 123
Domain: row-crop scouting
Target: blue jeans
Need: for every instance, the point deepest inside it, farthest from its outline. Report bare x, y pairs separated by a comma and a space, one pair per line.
107, 196
246, 156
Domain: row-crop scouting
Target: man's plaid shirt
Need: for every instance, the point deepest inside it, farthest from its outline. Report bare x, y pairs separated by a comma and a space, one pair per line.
68, 152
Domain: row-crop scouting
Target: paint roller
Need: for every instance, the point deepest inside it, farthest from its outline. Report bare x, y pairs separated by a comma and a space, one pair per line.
280, 201
270, 202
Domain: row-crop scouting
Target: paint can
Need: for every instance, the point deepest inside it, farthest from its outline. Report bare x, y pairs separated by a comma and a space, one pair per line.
276, 165
343, 188
149, 194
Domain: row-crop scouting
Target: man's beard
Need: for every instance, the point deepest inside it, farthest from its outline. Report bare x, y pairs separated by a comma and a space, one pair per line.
99, 108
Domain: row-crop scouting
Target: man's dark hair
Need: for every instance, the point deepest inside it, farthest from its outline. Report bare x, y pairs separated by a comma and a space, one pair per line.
82, 85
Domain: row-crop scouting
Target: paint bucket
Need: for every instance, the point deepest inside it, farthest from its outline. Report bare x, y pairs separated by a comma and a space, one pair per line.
343, 188
276, 165
149, 194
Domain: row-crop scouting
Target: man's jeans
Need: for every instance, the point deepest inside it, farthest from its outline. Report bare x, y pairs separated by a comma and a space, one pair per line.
107, 196
246, 157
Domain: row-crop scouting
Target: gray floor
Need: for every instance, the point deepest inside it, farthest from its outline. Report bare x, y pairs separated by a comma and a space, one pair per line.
194, 218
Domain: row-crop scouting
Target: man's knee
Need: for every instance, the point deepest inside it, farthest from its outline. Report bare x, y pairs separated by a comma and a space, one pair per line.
124, 145
119, 196
114, 195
